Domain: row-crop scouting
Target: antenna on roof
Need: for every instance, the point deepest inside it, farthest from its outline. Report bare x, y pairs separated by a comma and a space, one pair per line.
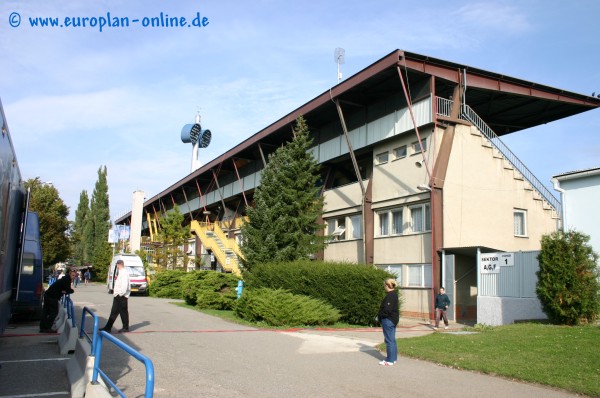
339, 58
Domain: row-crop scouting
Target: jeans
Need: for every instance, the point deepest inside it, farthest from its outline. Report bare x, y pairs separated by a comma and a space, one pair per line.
389, 335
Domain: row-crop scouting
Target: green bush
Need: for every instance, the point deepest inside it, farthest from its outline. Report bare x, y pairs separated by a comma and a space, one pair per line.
282, 308
191, 282
355, 290
568, 279
216, 291
167, 284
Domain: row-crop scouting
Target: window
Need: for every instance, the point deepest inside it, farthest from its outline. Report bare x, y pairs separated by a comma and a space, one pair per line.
343, 228
416, 147
384, 224
410, 275
397, 222
382, 158
419, 275
420, 218
520, 221
336, 228
390, 222
400, 152
355, 222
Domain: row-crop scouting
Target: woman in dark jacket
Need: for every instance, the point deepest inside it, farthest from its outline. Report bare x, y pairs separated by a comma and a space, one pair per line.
389, 315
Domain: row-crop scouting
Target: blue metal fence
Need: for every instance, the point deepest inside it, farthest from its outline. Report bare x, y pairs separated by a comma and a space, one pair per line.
96, 341
142, 358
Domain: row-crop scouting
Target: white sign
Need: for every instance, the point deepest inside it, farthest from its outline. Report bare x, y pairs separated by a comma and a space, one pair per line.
507, 259
489, 263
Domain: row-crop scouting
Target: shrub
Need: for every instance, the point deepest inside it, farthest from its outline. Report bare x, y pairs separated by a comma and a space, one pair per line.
191, 282
167, 284
282, 308
355, 290
568, 278
216, 291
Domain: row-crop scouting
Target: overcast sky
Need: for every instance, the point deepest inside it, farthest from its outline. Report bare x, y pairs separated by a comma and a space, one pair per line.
77, 98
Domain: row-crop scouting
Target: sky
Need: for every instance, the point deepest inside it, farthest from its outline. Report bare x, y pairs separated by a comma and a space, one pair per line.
78, 98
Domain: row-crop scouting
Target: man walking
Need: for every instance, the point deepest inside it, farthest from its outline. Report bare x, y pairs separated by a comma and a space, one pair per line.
121, 292
441, 306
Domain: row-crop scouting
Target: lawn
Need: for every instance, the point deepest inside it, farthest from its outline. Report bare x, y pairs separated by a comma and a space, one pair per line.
559, 356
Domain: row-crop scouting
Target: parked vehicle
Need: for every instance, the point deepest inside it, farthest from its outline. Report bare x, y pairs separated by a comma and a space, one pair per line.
137, 275
30, 287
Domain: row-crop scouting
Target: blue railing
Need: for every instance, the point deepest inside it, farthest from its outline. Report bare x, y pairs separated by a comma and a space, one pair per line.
82, 333
68, 304
142, 358
444, 107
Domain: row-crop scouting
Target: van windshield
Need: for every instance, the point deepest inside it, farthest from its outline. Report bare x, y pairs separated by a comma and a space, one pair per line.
135, 271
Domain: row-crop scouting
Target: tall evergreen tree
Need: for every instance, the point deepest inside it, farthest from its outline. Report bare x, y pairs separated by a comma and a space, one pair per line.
100, 223
54, 225
80, 254
283, 223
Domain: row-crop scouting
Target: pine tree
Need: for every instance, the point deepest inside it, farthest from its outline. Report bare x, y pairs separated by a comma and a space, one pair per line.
568, 279
100, 225
283, 223
77, 238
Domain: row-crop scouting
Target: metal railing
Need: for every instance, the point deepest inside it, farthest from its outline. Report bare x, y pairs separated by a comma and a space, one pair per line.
100, 337
68, 304
467, 113
82, 333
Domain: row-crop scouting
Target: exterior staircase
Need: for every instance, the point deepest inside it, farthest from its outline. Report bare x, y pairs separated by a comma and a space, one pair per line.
510, 160
225, 250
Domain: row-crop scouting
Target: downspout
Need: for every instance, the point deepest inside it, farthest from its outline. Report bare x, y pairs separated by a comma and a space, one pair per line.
357, 171
563, 213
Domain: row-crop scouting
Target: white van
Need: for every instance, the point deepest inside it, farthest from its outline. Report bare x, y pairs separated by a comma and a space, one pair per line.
137, 276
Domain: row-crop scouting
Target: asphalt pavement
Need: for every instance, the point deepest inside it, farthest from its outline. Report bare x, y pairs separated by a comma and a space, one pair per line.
197, 355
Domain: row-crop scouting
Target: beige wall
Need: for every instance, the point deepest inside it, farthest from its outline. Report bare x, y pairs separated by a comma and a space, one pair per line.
346, 250
416, 303
480, 194
405, 249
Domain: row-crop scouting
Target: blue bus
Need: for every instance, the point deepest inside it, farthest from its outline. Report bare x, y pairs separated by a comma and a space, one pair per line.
13, 229
30, 277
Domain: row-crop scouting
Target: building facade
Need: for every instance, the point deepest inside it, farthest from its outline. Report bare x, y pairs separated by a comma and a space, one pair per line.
415, 177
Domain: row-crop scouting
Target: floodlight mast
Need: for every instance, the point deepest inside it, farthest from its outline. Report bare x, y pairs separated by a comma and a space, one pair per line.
193, 133
195, 161
339, 58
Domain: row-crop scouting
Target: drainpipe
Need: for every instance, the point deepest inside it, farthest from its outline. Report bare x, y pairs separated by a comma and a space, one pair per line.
563, 215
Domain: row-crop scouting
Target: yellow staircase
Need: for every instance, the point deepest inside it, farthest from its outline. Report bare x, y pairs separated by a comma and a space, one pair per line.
226, 250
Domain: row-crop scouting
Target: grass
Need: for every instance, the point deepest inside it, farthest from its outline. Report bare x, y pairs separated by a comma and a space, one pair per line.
558, 356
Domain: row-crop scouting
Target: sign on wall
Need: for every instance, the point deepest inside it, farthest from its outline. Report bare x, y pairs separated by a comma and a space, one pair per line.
490, 263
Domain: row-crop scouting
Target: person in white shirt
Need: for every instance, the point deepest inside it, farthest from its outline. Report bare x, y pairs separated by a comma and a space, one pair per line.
121, 292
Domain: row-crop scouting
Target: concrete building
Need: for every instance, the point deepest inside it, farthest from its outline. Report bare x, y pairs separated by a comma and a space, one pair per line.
580, 194
415, 176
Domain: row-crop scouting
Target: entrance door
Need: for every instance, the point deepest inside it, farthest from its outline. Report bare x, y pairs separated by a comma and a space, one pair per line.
448, 283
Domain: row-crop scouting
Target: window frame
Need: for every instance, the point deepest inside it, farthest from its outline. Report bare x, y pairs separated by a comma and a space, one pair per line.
388, 214
378, 156
395, 152
523, 222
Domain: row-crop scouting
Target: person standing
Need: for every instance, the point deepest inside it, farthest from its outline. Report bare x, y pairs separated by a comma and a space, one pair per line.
389, 316
51, 296
121, 292
442, 301
86, 277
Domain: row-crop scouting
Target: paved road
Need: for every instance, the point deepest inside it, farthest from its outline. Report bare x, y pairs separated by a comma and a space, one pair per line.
196, 355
